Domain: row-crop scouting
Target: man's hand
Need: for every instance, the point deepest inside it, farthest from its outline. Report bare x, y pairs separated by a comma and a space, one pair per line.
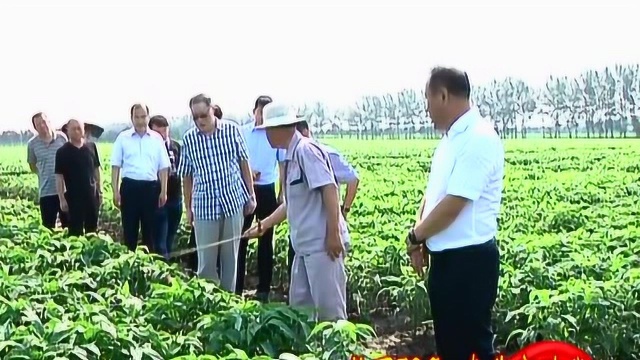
254, 232
256, 175
116, 200
280, 198
64, 206
250, 206
419, 259
162, 199
345, 211
334, 246
190, 217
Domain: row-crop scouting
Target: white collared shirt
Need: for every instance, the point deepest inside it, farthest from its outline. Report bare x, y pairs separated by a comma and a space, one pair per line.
140, 157
262, 157
468, 162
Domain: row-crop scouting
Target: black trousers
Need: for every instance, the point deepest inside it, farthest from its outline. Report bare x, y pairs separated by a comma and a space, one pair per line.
138, 205
267, 203
191, 259
50, 210
462, 286
83, 213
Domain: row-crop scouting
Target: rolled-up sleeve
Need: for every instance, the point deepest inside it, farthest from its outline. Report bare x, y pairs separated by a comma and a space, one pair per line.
185, 166
345, 173
116, 152
315, 167
475, 161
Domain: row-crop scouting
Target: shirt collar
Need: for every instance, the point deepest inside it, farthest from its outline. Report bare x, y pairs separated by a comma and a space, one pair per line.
133, 132
463, 122
293, 144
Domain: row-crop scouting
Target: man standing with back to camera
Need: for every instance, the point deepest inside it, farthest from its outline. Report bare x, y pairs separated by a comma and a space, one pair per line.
457, 220
267, 165
140, 156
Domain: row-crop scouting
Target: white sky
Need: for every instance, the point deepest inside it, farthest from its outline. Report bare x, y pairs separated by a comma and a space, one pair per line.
94, 61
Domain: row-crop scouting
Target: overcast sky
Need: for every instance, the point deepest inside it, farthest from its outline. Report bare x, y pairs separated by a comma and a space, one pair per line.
94, 61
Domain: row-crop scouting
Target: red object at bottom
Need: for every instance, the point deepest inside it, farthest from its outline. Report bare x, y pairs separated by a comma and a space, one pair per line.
544, 350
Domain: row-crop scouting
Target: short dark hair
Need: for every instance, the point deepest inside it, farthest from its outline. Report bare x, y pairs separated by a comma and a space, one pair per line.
198, 99
456, 82
34, 117
217, 111
137, 106
261, 101
302, 125
158, 121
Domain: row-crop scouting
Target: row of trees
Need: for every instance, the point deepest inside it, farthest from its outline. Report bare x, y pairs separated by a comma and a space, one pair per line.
598, 103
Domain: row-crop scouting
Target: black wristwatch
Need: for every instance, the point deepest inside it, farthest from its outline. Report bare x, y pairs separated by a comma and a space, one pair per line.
412, 239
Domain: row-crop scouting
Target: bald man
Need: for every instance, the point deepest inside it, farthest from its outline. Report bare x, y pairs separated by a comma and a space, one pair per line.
77, 169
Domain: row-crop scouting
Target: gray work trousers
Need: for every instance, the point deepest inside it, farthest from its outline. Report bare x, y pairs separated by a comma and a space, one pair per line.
319, 283
226, 231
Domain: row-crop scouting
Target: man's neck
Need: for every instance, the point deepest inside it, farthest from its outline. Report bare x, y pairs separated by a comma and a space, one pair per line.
77, 143
140, 130
461, 111
48, 136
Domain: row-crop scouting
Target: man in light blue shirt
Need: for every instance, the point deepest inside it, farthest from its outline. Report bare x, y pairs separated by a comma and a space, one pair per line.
267, 166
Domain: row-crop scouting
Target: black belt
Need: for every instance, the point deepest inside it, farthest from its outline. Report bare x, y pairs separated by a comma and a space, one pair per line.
134, 181
464, 249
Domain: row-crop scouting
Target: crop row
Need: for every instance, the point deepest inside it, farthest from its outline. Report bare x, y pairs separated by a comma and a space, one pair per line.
90, 298
569, 231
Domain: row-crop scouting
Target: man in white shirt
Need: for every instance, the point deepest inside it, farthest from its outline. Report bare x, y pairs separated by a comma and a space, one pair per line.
140, 156
457, 221
267, 166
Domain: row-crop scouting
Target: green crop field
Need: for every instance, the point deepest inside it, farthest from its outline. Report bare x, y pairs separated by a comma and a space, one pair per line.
569, 240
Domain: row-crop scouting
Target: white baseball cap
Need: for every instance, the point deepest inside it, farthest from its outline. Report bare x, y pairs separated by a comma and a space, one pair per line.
278, 114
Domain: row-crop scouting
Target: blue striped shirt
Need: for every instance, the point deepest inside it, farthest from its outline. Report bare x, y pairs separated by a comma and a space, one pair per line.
213, 161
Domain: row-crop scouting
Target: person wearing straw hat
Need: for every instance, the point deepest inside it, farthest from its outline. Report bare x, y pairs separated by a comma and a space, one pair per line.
311, 205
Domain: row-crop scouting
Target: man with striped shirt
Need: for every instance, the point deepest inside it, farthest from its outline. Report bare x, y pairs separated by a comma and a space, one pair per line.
218, 190
41, 156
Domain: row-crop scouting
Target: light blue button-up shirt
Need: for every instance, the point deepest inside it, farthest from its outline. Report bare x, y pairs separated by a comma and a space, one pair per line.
262, 157
345, 173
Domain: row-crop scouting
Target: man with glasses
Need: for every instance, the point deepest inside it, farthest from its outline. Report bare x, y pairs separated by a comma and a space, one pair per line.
218, 190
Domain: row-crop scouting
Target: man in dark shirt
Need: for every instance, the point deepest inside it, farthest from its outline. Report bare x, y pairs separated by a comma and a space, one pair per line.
167, 220
77, 169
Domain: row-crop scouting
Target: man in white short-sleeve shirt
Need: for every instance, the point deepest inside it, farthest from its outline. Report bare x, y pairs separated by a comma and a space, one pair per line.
139, 172
457, 220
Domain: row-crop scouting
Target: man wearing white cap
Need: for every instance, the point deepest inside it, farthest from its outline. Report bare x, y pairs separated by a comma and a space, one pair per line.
317, 227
